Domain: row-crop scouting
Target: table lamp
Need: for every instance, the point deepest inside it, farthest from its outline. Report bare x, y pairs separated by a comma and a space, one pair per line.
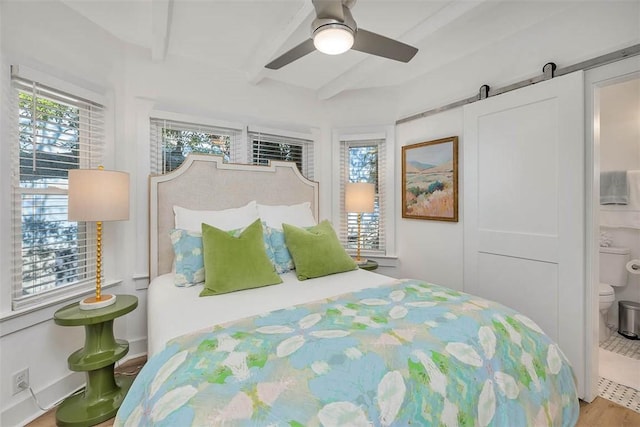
98, 195
359, 198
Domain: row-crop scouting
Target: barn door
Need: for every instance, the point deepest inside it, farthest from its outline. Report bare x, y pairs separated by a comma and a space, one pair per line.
524, 207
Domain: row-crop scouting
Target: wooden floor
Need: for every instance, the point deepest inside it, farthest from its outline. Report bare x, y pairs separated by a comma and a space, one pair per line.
602, 412
599, 413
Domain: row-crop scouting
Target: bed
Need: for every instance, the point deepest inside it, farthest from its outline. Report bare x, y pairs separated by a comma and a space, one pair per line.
344, 349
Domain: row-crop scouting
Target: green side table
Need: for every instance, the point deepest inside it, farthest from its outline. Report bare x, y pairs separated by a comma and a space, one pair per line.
103, 393
369, 265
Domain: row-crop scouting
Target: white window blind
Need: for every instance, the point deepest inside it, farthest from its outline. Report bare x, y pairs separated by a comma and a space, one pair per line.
54, 132
172, 141
264, 147
364, 161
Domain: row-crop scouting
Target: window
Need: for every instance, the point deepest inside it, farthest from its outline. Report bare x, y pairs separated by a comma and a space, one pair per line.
55, 132
364, 161
172, 141
264, 147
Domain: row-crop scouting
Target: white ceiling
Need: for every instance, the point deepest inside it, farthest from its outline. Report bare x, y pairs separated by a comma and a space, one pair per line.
243, 35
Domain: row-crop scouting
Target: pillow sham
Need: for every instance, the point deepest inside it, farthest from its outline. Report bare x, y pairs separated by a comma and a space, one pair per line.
188, 261
277, 249
227, 219
299, 215
316, 251
235, 263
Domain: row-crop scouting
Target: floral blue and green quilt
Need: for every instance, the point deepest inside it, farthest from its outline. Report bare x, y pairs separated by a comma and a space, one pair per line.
410, 353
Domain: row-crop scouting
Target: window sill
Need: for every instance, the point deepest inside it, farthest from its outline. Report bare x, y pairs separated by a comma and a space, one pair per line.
16, 320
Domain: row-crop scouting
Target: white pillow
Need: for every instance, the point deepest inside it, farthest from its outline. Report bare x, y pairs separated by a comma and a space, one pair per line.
299, 215
227, 219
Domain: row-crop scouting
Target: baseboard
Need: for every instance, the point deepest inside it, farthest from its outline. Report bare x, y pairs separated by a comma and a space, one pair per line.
26, 410
137, 348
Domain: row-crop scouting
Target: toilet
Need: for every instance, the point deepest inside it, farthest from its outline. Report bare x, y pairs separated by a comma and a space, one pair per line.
613, 273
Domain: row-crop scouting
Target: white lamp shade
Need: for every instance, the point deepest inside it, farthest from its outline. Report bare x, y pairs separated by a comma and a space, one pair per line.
333, 40
360, 197
98, 195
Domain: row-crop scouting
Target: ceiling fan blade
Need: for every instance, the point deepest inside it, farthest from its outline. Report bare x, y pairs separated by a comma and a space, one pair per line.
291, 55
329, 9
375, 44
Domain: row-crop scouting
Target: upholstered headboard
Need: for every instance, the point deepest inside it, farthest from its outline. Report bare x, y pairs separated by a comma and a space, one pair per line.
204, 182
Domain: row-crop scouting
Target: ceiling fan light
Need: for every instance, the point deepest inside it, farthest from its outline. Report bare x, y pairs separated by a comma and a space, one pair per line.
333, 40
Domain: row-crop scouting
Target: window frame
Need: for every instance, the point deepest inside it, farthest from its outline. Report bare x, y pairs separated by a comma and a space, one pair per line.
306, 141
386, 133
193, 123
348, 218
14, 305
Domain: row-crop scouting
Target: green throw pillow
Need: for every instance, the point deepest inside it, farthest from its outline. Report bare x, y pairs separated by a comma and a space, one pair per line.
235, 263
316, 251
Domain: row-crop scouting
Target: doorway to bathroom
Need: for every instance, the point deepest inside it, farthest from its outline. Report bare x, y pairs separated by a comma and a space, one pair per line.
613, 100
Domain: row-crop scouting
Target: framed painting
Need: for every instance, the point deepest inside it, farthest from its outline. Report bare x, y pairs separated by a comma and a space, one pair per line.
430, 180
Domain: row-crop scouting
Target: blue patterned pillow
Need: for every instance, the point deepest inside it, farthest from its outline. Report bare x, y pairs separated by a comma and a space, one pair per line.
189, 260
187, 249
277, 249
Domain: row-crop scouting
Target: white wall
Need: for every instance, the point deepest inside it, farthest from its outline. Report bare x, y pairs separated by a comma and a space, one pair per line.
620, 126
70, 47
620, 150
431, 250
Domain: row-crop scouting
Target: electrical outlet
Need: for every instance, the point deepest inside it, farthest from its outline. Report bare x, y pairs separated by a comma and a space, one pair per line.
21, 381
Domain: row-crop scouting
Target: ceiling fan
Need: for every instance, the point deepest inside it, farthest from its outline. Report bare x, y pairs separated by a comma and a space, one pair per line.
334, 31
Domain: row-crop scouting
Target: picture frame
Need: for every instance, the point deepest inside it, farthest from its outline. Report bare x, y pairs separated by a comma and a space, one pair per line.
430, 180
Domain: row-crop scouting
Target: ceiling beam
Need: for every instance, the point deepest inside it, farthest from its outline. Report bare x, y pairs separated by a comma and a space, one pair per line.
269, 48
421, 31
160, 20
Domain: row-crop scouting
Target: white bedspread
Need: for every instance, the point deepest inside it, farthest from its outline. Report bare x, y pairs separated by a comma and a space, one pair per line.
174, 311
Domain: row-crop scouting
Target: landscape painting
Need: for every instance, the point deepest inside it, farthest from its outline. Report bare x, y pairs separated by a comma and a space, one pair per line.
430, 180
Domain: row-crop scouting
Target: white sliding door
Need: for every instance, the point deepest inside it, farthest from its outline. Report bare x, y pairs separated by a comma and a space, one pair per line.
524, 207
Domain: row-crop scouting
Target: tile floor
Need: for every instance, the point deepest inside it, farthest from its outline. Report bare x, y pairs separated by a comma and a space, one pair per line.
618, 344
610, 390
